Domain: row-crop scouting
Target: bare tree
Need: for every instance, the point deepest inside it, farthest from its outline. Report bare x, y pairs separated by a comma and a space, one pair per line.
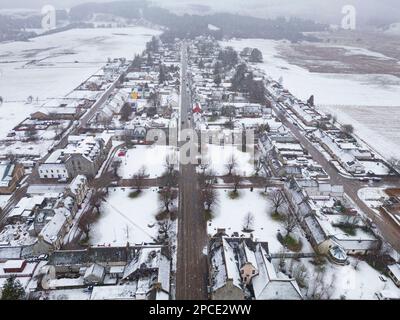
170, 162
97, 198
167, 196
300, 274
164, 229
236, 180
289, 223
138, 178
277, 198
248, 222
86, 222
380, 255
231, 164
103, 181
115, 165
320, 289
210, 197
205, 164
170, 179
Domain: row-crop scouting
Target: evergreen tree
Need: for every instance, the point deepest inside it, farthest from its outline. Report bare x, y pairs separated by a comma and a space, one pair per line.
162, 77
217, 80
257, 92
256, 56
310, 101
149, 61
137, 62
12, 290
126, 112
228, 57
201, 64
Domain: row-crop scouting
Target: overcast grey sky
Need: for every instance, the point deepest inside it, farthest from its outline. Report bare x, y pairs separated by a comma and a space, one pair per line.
322, 10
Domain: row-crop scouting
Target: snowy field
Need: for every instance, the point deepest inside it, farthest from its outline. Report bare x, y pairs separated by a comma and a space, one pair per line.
51, 66
329, 89
230, 214
219, 156
153, 158
378, 126
341, 94
125, 220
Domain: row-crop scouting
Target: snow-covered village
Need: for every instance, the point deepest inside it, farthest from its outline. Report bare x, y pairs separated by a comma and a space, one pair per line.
141, 161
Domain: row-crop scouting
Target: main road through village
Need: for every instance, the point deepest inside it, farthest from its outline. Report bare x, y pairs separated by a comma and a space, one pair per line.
192, 231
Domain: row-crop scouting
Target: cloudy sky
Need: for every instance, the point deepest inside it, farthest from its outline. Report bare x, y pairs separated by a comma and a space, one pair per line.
322, 10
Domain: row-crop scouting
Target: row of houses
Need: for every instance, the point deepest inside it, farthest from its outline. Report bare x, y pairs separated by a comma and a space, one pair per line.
321, 209
286, 156
341, 146
44, 219
110, 273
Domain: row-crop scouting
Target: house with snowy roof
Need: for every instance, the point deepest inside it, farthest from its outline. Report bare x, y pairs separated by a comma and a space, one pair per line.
309, 201
83, 155
394, 273
52, 235
10, 175
25, 208
242, 269
116, 273
78, 189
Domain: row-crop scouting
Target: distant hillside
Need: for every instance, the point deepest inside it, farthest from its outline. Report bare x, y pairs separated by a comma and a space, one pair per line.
393, 29
189, 26
13, 28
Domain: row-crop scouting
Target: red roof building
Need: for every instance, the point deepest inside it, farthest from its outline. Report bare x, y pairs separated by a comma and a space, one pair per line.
197, 108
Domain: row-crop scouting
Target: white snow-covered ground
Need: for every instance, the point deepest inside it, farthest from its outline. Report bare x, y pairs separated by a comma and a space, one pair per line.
3, 200
68, 294
360, 284
153, 158
373, 197
218, 157
230, 214
16, 235
51, 66
125, 220
369, 102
